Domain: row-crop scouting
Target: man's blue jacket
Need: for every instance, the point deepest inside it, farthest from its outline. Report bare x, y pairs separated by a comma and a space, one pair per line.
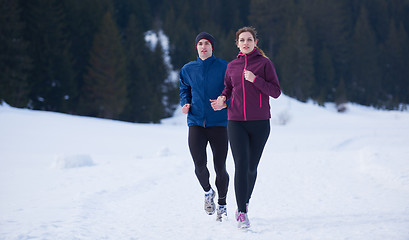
199, 82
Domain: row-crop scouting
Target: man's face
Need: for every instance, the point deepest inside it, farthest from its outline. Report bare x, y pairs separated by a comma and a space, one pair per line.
204, 49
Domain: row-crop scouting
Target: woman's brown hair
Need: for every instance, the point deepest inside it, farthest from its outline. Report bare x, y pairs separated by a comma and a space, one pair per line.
253, 32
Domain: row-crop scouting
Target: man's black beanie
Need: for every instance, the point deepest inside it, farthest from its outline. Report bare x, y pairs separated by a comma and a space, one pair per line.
205, 35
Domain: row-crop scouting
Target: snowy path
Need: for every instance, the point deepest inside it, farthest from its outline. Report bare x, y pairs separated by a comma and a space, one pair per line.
322, 176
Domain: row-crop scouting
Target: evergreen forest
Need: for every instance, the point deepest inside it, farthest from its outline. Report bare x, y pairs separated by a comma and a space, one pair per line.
90, 57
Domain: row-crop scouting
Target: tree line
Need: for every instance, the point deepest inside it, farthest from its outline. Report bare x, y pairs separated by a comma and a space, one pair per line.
90, 57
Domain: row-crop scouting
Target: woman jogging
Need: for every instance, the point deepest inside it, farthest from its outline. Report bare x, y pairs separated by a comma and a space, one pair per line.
249, 81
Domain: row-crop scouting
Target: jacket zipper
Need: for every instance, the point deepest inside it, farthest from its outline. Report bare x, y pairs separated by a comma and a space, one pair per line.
244, 90
260, 100
205, 72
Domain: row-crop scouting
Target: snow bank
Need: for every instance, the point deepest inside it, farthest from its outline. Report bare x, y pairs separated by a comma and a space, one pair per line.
73, 161
323, 175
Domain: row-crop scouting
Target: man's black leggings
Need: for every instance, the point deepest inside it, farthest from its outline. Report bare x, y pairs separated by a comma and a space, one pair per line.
247, 141
217, 137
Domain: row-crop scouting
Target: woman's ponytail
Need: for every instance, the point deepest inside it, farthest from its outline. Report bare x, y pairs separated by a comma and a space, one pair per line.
262, 52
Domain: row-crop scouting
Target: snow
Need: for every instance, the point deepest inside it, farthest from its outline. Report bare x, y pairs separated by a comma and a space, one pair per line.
323, 175
73, 161
153, 38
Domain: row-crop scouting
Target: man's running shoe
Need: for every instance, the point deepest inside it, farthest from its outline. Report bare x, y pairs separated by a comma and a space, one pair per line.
221, 213
209, 205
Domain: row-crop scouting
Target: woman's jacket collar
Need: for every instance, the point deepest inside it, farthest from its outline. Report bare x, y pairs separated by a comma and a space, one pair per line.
254, 52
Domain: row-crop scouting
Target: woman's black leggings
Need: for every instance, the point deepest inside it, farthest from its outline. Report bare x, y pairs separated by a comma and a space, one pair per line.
247, 141
217, 137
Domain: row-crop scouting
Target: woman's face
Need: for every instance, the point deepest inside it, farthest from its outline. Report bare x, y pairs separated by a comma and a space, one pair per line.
246, 42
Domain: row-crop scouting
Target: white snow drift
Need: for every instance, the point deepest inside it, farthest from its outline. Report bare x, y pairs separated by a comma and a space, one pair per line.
323, 175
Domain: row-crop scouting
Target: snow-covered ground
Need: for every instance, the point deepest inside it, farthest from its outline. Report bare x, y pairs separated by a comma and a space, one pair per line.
323, 175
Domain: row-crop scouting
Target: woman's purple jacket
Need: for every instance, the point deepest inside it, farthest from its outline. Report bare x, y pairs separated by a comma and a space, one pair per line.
250, 101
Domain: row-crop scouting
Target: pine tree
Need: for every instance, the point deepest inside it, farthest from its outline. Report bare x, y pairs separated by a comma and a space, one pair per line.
366, 78
83, 21
51, 79
181, 38
404, 79
226, 47
365, 43
295, 61
325, 78
270, 19
328, 25
104, 92
138, 70
15, 64
395, 63
139, 9
157, 82
341, 96
377, 13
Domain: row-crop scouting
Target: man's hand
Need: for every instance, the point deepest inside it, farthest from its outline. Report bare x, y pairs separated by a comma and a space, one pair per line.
185, 108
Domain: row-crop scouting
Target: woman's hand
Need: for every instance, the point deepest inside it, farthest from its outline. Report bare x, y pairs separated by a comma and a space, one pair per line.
185, 108
249, 75
219, 103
